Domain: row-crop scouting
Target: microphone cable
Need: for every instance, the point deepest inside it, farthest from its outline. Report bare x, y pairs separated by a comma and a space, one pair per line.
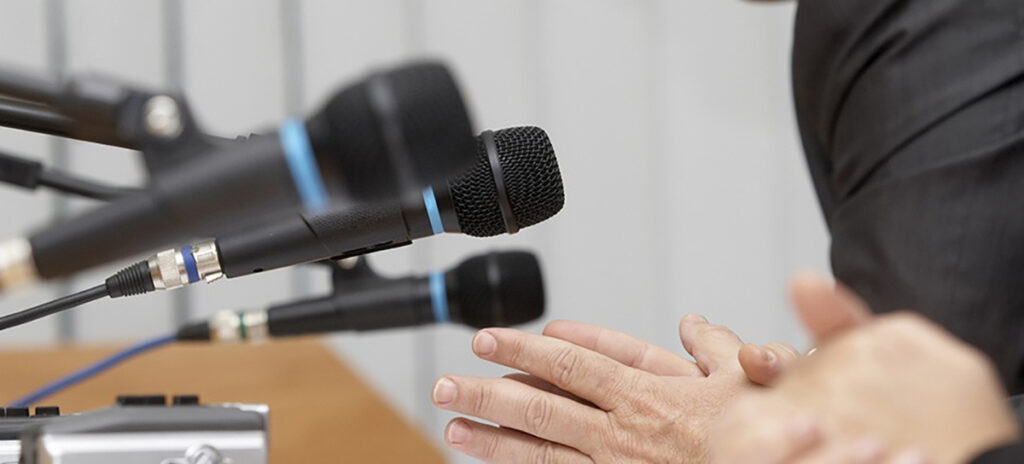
132, 280
31, 174
91, 371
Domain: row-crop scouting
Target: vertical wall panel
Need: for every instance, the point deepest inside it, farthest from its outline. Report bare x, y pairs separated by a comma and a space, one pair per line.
484, 43
23, 43
233, 78
343, 41
127, 46
600, 120
727, 156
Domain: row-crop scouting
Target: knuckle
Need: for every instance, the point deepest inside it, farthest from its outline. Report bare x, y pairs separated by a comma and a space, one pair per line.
538, 412
565, 366
551, 326
544, 453
481, 402
784, 350
902, 320
715, 331
515, 351
491, 446
976, 361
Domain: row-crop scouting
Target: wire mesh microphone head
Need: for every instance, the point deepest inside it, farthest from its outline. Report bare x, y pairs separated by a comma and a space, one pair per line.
531, 177
498, 289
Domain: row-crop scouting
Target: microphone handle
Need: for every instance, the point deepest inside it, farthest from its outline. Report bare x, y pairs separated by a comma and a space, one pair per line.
244, 178
351, 230
374, 305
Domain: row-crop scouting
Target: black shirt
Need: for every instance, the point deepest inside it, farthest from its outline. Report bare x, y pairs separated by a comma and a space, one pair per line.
911, 114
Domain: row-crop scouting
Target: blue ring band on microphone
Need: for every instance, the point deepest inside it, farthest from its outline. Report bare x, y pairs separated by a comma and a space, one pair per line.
433, 212
190, 264
305, 172
439, 296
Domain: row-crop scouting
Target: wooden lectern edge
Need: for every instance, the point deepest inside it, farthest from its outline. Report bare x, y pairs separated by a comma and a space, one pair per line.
320, 410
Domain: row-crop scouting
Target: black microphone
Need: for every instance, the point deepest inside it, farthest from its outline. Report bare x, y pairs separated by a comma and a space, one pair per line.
495, 289
396, 130
514, 183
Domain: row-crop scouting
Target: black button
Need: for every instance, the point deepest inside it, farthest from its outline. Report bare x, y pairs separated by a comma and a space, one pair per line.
186, 400
17, 412
142, 400
47, 411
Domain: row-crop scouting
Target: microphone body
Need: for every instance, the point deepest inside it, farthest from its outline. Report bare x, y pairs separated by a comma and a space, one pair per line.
352, 231
517, 169
495, 289
391, 133
243, 178
372, 305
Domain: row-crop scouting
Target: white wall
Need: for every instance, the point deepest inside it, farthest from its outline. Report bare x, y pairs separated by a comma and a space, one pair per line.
685, 186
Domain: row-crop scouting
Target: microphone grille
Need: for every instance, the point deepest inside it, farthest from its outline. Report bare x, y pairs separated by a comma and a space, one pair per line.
531, 176
499, 289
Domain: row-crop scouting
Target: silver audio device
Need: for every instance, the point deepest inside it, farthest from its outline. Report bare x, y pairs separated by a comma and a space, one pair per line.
139, 429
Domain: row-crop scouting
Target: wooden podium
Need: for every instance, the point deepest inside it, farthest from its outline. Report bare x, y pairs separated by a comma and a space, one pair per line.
319, 410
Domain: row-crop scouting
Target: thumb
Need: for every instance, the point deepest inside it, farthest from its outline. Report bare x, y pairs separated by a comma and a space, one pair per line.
826, 308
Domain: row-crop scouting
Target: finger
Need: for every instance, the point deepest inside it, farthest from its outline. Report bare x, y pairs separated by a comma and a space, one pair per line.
763, 364
909, 457
497, 445
623, 348
713, 346
513, 404
868, 451
544, 385
824, 308
763, 441
582, 372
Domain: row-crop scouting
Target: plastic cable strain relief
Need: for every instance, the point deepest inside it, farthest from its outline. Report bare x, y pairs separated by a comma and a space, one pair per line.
132, 280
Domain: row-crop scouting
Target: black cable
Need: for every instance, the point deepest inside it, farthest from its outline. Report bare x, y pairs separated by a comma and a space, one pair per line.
53, 307
31, 174
34, 118
67, 183
132, 280
27, 86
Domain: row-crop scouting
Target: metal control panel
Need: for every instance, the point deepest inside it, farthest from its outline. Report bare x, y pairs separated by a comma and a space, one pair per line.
138, 429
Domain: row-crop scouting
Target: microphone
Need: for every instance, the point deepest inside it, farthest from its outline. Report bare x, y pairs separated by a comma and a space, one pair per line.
514, 183
495, 289
393, 131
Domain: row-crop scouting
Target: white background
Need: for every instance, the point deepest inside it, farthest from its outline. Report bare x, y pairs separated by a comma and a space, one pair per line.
686, 190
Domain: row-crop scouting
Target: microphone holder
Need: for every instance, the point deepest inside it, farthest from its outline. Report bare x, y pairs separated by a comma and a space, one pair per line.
104, 110
348, 270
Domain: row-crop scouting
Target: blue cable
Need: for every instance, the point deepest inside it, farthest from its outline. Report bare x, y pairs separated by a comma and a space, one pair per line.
91, 371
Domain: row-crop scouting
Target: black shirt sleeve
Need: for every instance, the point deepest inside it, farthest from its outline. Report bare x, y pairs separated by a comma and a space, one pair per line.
1009, 454
912, 119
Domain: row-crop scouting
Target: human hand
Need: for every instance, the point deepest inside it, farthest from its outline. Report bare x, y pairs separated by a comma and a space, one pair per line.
894, 382
813, 298
593, 395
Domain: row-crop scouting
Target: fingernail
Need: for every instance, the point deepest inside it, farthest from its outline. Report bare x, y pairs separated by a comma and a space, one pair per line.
444, 391
694, 318
910, 457
484, 344
768, 355
459, 432
803, 428
868, 450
